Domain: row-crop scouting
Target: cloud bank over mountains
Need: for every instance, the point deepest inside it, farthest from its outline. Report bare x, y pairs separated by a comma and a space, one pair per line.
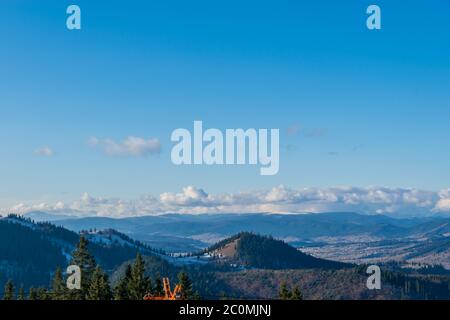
192, 200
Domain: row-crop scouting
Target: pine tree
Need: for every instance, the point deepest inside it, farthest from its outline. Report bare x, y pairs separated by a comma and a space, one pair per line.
21, 295
59, 288
186, 290
284, 292
99, 287
196, 296
159, 289
121, 290
43, 294
33, 295
139, 285
9, 291
82, 258
296, 294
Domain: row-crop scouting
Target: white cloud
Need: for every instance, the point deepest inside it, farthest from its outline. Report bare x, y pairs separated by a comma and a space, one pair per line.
190, 197
44, 151
280, 199
131, 146
443, 205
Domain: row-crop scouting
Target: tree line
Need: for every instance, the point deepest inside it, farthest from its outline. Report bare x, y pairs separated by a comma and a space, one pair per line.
95, 284
286, 294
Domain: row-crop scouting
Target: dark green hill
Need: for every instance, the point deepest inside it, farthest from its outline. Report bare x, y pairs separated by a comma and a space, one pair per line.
264, 252
30, 252
26, 255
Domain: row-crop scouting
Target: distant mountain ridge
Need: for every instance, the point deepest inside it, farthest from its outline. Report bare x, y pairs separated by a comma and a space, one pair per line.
40, 216
341, 236
199, 231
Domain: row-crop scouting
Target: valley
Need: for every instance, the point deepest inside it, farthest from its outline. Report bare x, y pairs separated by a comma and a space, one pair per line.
326, 256
346, 237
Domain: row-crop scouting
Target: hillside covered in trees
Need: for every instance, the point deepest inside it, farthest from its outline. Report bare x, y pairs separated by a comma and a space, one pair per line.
264, 252
33, 258
30, 252
134, 284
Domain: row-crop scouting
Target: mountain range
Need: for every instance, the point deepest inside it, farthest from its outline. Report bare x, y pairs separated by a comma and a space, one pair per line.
341, 236
245, 265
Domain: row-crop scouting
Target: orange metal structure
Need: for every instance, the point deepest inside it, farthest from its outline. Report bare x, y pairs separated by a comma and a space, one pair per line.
168, 293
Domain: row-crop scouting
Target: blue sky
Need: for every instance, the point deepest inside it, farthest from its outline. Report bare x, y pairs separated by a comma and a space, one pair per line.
363, 108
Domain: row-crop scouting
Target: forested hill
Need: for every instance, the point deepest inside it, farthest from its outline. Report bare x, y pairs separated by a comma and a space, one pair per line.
265, 252
30, 252
26, 255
